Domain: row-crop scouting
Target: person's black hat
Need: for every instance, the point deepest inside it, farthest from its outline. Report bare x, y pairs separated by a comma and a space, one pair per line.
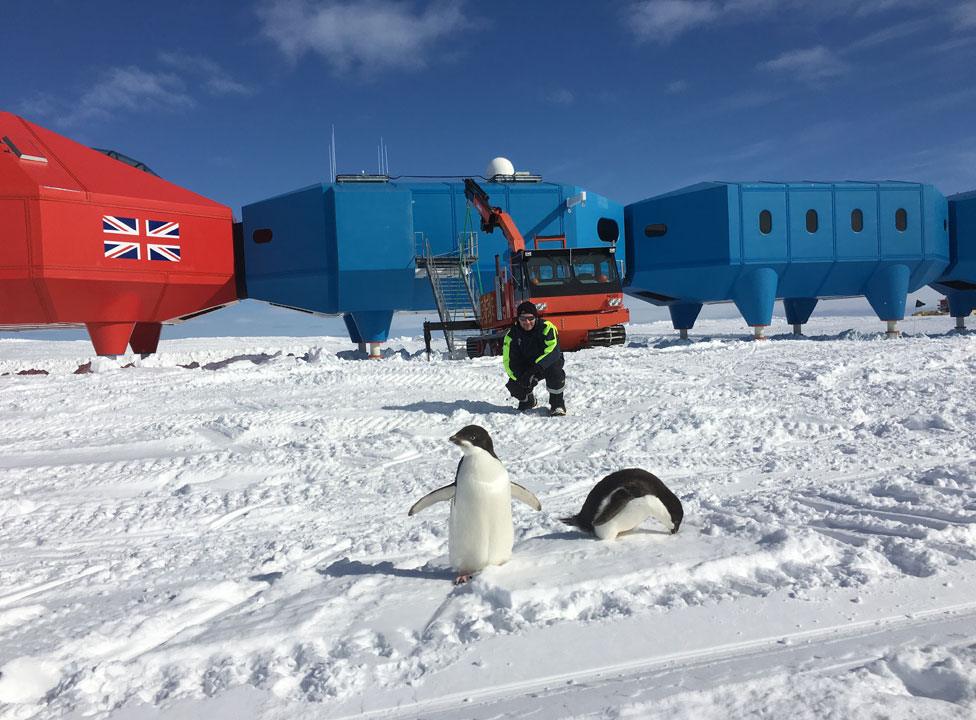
527, 308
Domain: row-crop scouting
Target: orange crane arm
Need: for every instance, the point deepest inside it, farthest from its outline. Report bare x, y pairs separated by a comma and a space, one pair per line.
493, 217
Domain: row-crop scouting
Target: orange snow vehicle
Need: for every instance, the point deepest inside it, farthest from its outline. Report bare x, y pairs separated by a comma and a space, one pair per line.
576, 289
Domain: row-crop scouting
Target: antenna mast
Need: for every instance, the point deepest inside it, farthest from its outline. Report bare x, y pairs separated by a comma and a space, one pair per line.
332, 156
382, 158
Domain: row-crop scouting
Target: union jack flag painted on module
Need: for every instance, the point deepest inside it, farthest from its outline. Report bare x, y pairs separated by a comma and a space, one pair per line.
163, 229
131, 249
122, 250
120, 225
169, 253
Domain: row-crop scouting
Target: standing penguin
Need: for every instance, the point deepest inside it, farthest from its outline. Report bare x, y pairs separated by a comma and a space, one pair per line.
623, 500
481, 531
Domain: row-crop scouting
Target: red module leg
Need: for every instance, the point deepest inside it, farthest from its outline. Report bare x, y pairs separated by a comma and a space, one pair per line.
110, 338
145, 338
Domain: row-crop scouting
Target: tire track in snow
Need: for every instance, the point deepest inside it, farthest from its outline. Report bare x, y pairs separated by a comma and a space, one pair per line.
933, 520
827, 649
231, 516
44, 587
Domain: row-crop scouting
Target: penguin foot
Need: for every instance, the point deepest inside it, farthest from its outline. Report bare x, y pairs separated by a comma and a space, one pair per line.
461, 579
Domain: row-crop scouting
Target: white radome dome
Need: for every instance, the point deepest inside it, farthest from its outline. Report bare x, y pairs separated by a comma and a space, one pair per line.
499, 166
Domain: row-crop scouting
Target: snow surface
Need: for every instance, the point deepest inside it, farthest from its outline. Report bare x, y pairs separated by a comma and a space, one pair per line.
231, 539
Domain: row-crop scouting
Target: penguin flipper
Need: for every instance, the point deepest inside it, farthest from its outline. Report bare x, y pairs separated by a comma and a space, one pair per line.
439, 495
525, 496
615, 503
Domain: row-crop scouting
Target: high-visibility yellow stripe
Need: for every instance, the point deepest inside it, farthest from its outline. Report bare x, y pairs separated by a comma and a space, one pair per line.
505, 358
550, 344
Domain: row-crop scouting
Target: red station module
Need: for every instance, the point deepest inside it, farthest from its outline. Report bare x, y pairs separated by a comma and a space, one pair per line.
88, 240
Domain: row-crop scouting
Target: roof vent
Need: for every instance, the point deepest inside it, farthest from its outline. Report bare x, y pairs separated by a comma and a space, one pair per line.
20, 154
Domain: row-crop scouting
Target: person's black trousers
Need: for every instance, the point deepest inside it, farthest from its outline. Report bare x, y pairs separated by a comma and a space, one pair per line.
555, 378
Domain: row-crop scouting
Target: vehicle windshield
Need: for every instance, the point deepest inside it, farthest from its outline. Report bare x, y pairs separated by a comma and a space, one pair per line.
591, 267
569, 272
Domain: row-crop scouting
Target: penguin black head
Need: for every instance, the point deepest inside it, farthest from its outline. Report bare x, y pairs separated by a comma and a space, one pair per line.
473, 436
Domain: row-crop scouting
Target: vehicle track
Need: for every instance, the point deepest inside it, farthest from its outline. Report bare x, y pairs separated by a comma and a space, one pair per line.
825, 650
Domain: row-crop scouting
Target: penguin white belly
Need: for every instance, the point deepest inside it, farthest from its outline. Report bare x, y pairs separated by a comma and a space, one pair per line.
633, 514
481, 531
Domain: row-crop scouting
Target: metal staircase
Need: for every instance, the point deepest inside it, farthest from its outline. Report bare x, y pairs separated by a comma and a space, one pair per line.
455, 294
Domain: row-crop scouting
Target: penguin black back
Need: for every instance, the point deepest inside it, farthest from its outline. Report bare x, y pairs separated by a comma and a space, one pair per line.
616, 490
476, 436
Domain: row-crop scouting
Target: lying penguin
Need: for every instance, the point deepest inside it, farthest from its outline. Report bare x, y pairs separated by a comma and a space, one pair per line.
481, 531
623, 500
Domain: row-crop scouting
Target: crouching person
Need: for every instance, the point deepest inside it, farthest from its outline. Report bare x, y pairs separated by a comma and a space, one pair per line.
531, 353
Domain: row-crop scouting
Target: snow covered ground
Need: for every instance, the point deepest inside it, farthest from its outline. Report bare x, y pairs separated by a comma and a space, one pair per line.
231, 539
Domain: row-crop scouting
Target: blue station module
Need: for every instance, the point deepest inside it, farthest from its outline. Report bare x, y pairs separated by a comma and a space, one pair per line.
958, 282
352, 247
754, 243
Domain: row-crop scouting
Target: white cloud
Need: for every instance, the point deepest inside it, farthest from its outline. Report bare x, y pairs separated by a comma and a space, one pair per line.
367, 36
664, 20
127, 89
676, 87
890, 33
752, 7
561, 96
964, 15
215, 79
759, 149
812, 65
872, 7
747, 100
131, 89
38, 105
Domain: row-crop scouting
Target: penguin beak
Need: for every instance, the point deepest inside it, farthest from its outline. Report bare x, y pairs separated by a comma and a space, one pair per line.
455, 439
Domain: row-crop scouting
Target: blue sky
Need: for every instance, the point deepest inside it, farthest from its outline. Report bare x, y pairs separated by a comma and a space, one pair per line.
235, 100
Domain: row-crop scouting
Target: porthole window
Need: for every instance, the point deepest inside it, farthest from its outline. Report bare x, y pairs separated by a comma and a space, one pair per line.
857, 220
656, 230
262, 235
813, 222
765, 222
901, 219
607, 230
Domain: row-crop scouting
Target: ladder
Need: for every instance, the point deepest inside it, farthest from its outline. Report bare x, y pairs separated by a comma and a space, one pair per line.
455, 295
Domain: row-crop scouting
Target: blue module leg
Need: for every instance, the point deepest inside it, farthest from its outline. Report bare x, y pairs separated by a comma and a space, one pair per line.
887, 292
961, 304
798, 312
683, 316
353, 330
754, 294
368, 329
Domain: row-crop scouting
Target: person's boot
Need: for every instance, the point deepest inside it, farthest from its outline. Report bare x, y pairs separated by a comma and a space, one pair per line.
557, 405
527, 404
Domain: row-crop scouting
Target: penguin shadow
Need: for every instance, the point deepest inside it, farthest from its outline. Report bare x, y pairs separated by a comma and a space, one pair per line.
347, 568
271, 578
560, 535
581, 535
644, 531
474, 407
